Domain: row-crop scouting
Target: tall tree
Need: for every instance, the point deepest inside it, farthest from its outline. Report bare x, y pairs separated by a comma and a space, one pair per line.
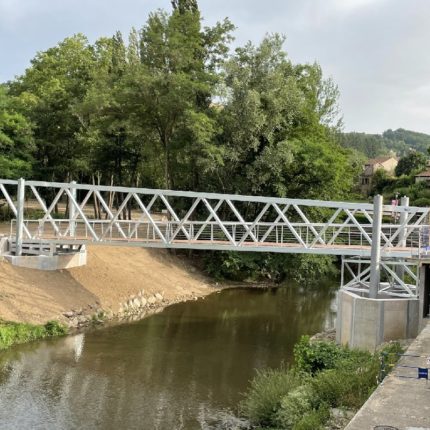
16, 138
56, 81
277, 120
411, 163
183, 6
171, 88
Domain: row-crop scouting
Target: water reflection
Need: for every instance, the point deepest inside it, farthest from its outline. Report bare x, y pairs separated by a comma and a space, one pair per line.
174, 370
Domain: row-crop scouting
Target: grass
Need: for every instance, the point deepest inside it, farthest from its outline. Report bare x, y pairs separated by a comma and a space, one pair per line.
13, 333
324, 376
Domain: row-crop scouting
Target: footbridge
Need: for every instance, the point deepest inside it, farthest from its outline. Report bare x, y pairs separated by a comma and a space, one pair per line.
79, 214
381, 246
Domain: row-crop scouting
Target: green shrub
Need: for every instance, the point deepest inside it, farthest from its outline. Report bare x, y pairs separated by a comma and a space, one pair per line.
54, 328
12, 333
350, 383
312, 357
293, 406
421, 201
325, 376
313, 420
263, 398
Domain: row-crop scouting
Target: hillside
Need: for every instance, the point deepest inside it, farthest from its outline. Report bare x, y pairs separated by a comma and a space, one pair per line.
398, 142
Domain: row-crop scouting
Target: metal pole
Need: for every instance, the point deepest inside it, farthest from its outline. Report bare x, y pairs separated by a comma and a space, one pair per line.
19, 216
404, 201
375, 254
72, 211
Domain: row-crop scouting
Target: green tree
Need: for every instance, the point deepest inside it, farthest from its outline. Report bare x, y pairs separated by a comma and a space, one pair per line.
411, 163
170, 90
56, 81
16, 138
277, 121
184, 6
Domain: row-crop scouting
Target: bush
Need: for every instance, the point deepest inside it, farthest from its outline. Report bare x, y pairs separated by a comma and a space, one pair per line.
325, 376
313, 420
12, 333
264, 397
294, 406
312, 357
349, 388
240, 266
421, 201
54, 328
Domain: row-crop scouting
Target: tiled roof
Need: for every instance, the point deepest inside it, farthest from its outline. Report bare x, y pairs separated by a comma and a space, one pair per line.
425, 174
378, 160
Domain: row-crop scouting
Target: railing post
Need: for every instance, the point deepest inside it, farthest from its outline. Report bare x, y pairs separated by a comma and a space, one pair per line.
72, 211
19, 216
375, 254
404, 201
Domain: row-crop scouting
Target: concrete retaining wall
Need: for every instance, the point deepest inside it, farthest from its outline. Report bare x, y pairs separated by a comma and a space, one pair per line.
45, 262
366, 323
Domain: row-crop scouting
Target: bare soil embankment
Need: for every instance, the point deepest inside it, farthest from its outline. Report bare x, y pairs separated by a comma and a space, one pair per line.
110, 278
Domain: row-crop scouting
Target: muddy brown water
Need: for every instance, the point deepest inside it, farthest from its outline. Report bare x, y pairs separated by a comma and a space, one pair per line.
184, 368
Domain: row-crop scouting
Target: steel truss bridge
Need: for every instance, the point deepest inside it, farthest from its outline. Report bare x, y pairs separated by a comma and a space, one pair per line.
373, 240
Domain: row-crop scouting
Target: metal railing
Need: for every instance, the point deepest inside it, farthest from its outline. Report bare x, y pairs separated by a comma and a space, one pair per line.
207, 220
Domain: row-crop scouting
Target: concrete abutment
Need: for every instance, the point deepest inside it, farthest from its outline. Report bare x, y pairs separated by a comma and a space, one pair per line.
364, 322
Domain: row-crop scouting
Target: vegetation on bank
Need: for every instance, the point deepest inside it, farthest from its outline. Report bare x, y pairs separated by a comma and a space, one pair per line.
324, 376
12, 333
254, 266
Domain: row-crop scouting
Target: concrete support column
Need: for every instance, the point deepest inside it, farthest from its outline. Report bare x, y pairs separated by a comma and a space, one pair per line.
72, 211
19, 216
375, 255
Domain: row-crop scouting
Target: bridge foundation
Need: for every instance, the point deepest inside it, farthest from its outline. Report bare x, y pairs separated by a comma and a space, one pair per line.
44, 257
364, 322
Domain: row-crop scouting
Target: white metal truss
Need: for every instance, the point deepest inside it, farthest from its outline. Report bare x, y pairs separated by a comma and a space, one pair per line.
399, 278
64, 213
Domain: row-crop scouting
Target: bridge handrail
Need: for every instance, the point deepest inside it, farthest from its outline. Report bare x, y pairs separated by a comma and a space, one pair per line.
201, 222
216, 196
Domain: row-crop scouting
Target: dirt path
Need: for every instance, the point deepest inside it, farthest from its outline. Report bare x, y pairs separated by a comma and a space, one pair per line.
111, 276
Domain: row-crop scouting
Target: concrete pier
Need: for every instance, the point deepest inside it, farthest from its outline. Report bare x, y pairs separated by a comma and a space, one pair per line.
365, 323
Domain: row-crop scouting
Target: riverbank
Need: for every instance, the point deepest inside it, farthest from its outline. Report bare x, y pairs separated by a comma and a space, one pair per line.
116, 282
13, 333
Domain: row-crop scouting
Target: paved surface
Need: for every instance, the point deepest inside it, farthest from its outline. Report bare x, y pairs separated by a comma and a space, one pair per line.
399, 402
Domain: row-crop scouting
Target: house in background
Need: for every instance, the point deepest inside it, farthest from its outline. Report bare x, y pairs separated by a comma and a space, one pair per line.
386, 163
423, 177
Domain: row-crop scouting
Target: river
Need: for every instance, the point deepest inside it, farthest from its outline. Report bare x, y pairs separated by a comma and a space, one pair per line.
180, 369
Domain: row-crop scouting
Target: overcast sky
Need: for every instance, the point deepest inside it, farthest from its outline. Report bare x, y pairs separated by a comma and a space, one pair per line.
377, 51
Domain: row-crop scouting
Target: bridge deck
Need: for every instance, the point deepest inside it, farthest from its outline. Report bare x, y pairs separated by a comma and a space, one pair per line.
337, 249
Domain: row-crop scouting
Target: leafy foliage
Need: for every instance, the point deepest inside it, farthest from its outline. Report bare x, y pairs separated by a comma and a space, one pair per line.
264, 396
241, 266
12, 333
411, 163
174, 108
313, 357
399, 142
325, 376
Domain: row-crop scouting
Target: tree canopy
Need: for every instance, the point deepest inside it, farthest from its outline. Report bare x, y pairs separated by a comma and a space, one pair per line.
411, 163
173, 106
